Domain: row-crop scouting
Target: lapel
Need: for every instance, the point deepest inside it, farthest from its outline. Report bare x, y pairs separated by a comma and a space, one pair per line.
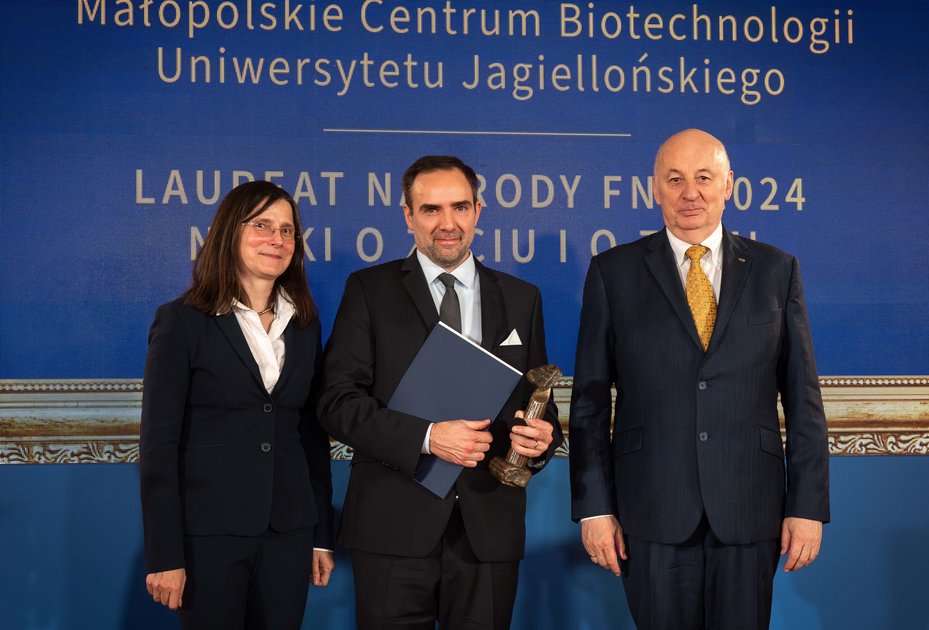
736, 265
661, 264
229, 326
414, 282
290, 334
493, 308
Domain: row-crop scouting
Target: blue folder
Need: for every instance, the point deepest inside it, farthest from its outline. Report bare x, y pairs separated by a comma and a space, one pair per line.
452, 378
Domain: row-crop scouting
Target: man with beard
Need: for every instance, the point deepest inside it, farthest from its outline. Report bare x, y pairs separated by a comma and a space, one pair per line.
418, 558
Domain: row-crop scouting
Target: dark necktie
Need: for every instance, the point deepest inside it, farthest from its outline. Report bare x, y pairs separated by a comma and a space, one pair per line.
450, 308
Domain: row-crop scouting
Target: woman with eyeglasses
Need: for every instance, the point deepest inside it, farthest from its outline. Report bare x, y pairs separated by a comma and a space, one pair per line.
235, 480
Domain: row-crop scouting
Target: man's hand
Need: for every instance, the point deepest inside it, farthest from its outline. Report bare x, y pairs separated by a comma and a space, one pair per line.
461, 442
801, 537
532, 440
603, 539
167, 587
323, 563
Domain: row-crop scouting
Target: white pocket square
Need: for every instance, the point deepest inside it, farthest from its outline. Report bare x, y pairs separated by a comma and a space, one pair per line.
512, 340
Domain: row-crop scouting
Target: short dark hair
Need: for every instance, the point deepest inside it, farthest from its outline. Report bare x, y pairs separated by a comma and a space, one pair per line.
216, 271
429, 163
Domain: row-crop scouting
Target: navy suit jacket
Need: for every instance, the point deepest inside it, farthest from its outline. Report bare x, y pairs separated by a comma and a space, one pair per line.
385, 316
696, 432
218, 454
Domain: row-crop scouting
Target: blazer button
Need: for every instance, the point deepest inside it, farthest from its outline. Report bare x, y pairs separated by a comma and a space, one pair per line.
268, 407
703, 436
265, 447
701, 386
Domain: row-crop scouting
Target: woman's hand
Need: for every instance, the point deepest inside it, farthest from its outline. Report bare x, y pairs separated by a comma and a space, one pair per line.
167, 587
323, 563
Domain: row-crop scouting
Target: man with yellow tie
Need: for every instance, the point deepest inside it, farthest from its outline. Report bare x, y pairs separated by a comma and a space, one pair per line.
698, 330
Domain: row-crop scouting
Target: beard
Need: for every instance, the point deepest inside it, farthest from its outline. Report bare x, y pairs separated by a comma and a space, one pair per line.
446, 257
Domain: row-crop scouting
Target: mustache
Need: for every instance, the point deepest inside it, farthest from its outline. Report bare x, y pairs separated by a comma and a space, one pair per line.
455, 234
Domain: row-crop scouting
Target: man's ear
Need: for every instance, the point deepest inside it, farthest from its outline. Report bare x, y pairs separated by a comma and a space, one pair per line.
408, 215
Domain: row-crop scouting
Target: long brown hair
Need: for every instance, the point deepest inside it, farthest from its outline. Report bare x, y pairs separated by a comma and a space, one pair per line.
216, 271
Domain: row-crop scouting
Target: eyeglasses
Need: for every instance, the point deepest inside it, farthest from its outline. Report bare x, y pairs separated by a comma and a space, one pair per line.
288, 232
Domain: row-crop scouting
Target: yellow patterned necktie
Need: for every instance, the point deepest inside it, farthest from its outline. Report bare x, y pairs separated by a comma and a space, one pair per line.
700, 295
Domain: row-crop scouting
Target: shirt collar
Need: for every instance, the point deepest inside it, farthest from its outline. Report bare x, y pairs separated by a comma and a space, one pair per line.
283, 308
464, 273
713, 242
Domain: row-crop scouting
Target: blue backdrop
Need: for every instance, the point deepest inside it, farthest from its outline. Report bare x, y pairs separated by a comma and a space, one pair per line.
122, 126
73, 555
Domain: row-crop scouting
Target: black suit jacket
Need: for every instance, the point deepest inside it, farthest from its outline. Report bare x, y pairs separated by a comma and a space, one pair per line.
385, 316
217, 453
696, 431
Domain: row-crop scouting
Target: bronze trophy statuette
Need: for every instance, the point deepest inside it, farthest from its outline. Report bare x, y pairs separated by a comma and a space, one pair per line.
512, 471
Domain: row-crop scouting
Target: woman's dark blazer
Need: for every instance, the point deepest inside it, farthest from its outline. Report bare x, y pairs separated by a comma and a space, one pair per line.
218, 454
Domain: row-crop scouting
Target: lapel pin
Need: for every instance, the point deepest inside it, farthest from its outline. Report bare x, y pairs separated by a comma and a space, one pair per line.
741, 259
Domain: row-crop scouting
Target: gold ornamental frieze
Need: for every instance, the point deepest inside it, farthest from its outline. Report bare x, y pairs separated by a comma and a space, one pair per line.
97, 421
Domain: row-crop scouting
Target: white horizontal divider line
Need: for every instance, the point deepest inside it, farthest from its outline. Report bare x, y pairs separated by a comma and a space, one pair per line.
456, 132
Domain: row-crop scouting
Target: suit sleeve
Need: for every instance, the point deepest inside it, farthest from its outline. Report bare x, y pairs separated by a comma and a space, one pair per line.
807, 436
592, 483
348, 409
316, 446
164, 396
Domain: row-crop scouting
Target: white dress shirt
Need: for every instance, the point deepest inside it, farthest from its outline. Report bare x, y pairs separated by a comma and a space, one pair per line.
468, 288
267, 347
712, 261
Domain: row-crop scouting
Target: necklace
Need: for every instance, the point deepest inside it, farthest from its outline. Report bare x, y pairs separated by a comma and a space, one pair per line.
267, 310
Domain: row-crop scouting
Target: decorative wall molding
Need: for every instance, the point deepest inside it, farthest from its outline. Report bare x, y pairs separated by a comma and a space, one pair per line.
97, 421
877, 415
69, 421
